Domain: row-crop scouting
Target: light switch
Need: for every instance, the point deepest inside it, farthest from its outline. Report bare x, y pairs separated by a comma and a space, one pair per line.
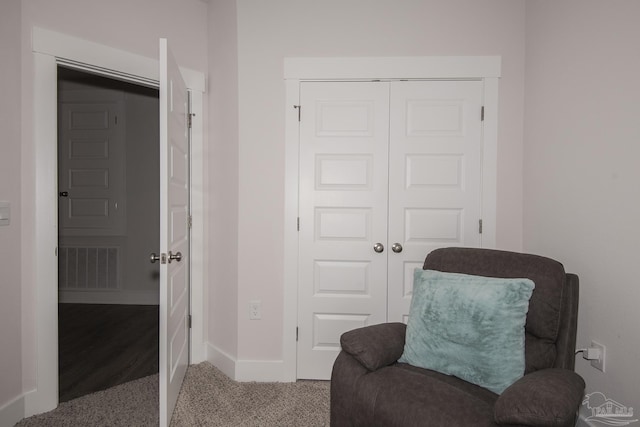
5, 213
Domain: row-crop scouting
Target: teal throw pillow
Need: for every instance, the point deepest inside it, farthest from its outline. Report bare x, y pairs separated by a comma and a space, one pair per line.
471, 327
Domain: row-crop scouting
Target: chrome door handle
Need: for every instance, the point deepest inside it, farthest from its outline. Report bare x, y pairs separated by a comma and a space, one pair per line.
153, 258
397, 248
378, 247
177, 256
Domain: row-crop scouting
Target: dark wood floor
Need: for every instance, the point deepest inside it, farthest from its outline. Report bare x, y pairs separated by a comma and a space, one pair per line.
101, 346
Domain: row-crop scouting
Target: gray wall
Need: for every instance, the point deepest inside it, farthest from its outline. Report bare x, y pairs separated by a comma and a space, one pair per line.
581, 174
10, 190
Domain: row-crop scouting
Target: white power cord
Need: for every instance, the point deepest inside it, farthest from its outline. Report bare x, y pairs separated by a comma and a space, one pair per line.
589, 353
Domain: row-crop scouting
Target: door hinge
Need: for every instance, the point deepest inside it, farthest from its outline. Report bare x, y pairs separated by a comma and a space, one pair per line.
298, 224
189, 320
190, 119
482, 114
299, 107
480, 226
296, 333
189, 222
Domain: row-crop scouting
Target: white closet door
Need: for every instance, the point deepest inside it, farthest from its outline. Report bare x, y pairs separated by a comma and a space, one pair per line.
435, 176
343, 214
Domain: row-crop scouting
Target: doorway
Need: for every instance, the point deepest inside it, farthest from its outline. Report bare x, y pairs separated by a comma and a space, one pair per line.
50, 50
108, 168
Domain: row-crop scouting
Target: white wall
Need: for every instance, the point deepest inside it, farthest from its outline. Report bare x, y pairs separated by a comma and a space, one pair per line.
134, 26
10, 236
270, 31
223, 184
581, 174
131, 26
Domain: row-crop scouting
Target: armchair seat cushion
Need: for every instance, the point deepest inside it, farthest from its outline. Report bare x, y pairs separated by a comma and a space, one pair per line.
404, 395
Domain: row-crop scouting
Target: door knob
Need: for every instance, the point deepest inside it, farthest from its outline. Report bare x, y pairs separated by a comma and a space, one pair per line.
64, 194
153, 258
397, 248
177, 256
378, 247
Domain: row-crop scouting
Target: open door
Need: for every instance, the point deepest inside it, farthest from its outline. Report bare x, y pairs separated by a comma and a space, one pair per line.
174, 232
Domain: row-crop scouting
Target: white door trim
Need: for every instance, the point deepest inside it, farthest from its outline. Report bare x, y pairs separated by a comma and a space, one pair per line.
296, 70
113, 62
49, 50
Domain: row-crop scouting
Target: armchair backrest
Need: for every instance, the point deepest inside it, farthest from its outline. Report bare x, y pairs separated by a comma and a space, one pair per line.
550, 331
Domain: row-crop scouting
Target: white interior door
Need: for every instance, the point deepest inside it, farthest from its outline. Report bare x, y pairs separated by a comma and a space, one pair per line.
343, 214
91, 168
435, 154
174, 232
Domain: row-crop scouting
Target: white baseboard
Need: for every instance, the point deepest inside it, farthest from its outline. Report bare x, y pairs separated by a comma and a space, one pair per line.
110, 297
246, 370
221, 360
12, 412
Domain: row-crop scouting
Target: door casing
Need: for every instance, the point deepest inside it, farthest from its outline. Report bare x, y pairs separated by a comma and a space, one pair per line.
297, 70
51, 49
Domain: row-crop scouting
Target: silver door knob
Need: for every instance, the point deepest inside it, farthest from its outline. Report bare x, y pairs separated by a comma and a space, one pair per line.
378, 247
397, 248
153, 258
177, 256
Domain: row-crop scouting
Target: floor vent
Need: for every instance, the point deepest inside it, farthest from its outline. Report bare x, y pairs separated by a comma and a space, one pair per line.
85, 268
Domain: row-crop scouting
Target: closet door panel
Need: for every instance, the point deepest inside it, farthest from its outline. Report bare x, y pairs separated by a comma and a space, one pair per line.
434, 176
343, 214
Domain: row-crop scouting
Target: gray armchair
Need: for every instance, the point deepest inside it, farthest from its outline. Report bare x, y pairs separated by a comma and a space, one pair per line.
370, 388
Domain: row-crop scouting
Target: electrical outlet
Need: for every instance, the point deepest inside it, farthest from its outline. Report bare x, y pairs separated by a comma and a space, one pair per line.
255, 310
599, 362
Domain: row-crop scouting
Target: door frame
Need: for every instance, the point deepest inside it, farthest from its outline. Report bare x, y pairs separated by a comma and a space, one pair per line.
296, 70
51, 49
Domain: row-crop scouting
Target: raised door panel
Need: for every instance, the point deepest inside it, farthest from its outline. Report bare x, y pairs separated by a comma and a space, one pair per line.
343, 213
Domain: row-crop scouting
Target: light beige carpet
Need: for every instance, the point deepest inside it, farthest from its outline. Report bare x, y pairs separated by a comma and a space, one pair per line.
207, 398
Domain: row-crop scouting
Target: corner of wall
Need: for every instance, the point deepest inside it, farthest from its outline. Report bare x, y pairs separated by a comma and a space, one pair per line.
246, 370
221, 360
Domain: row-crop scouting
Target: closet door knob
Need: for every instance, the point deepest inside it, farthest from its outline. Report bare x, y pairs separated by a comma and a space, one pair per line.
378, 247
397, 248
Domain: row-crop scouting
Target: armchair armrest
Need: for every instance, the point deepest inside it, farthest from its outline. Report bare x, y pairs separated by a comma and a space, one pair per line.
375, 346
548, 397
